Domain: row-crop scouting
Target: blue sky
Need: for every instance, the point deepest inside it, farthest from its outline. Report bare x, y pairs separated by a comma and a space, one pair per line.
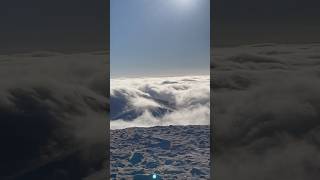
159, 37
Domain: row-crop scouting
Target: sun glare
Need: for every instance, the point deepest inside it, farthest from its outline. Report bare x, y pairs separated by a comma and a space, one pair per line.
185, 3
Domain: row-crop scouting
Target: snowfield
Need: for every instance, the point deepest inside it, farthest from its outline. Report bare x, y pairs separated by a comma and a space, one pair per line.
172, 152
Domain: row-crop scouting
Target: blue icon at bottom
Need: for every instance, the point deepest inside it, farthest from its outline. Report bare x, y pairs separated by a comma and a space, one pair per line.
154, 176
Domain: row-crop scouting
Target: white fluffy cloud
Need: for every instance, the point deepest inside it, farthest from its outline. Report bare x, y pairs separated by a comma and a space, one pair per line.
145, 102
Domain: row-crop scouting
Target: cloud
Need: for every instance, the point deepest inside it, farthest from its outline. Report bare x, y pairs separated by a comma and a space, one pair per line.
266, 117
145, 102
52, 108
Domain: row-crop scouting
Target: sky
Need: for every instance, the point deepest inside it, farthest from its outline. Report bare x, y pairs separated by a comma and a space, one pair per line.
236, 23
159, 37
82, 25
59, 25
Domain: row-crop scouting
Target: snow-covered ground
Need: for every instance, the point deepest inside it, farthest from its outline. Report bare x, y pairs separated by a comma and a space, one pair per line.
172, 152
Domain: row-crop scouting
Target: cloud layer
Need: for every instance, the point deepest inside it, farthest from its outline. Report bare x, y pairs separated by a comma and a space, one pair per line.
145, 102
267, 110
52, 112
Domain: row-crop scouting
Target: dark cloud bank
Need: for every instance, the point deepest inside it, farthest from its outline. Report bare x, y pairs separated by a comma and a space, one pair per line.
53, 115
267, 105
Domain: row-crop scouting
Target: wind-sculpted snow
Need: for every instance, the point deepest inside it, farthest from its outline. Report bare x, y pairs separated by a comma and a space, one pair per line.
146, 102
172, 152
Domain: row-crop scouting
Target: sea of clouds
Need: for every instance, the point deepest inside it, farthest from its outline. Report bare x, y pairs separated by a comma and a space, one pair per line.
267, 111
53, 111
159, 101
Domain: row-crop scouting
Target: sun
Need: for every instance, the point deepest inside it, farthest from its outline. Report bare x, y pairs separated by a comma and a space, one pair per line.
184, 2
